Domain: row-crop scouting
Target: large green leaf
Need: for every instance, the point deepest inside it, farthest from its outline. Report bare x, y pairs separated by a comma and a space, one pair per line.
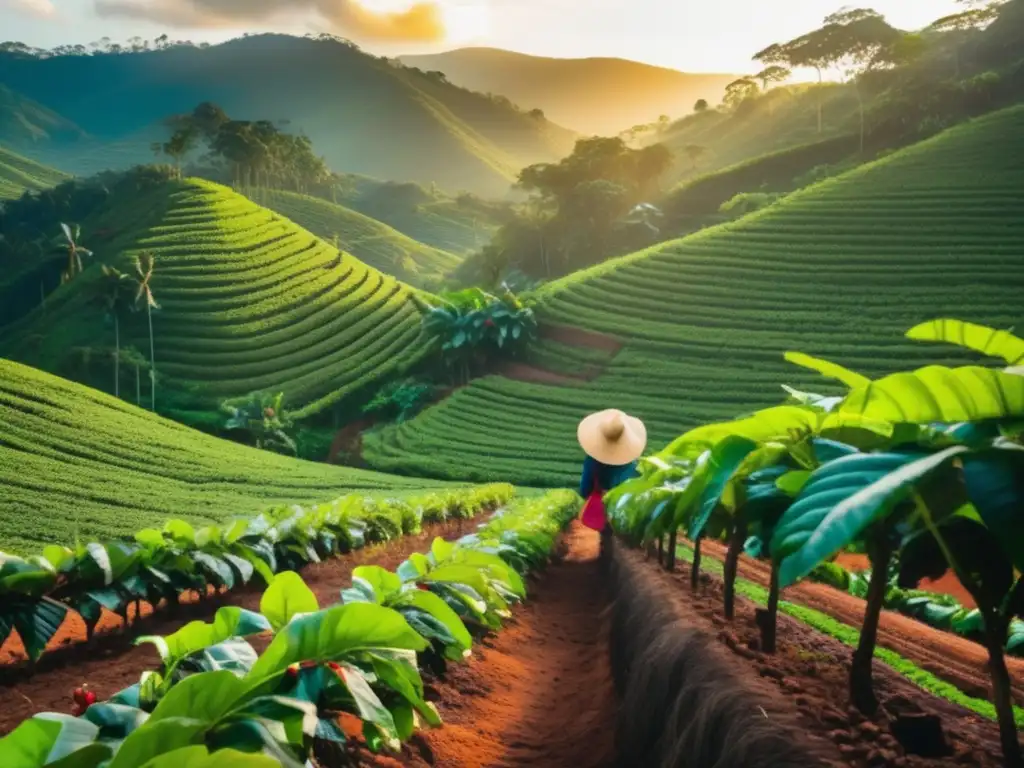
841, 500
995, 485
286, 597
36, 621
49, 738
382, 581
158, 738
725, 459
228, 622
433, 605
769, 424
206, 698
936, 393
980, 338
199, 757
333, 633
826, 368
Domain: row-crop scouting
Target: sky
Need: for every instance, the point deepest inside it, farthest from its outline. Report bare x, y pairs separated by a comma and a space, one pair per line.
690, 35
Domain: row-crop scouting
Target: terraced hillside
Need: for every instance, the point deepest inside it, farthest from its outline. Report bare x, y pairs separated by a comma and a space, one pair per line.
369, 240
19, 174
249, 302
839, 270
74, 461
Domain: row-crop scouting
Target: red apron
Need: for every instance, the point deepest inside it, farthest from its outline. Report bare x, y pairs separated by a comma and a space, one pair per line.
593, 515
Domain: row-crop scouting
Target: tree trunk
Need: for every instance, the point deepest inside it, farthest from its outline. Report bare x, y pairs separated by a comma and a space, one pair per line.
771, 615
152, 358
695, 565
820, 105
732, 561
117, 357
862, 689
1001, 691
670, 561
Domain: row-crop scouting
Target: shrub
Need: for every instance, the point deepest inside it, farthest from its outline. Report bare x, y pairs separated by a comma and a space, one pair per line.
400, 400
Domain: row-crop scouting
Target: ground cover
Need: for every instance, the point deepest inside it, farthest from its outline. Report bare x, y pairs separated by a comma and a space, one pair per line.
19, 175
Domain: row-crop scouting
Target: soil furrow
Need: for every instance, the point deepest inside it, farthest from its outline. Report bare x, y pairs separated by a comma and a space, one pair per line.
949, 657
114, 663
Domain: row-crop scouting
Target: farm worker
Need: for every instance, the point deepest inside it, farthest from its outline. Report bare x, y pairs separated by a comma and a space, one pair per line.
613, 441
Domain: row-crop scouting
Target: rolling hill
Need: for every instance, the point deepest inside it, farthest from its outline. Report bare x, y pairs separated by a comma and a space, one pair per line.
364, 114
23, 122
578, 92
839, 270
369, 240
249, 302
74, 461
19, 175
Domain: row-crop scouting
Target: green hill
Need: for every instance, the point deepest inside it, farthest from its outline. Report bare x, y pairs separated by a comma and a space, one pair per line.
578, 92
364, 114
19, 174
77, 462
837, 270
369, 240
249, 302
24, 122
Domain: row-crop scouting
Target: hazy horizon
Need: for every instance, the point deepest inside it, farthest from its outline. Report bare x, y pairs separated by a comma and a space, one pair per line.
717, 38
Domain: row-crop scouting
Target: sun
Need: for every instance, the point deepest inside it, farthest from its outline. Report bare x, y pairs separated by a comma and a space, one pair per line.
466, 23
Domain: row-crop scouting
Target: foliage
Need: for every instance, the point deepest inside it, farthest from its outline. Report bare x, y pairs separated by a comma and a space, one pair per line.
264, 421
474, 327
400, 400
214, 695
160, 564
748, 202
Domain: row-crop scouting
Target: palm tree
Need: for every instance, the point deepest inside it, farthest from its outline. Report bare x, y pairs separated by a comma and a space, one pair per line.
75, 251
113, 289
144, 264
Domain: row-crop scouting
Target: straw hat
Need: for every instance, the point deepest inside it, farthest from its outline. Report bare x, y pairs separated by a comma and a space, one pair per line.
612, 437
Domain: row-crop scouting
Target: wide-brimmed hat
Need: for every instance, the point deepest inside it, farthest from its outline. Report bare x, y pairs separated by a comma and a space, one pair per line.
612, 437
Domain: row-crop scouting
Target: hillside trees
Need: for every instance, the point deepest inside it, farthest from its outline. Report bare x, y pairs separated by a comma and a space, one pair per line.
578, 204
253, 152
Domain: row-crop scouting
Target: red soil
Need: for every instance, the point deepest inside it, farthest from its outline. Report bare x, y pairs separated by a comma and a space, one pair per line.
539, 693
947, 656
113, 663
577, 337
947, 584
811, 670
534, 375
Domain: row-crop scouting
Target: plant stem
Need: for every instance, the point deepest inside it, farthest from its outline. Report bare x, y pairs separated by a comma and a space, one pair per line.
862, 689
995, 638
670, 561
695, 565
117, 357
152, 357
732, 561
661, 549
771, 615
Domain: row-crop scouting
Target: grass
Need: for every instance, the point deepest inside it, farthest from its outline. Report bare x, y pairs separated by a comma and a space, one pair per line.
839, 270
850, 636
369, 240
19, 175
249, 302
75, 462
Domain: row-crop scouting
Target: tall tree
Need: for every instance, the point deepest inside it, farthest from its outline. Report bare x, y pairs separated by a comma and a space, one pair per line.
957, 26
144, 264
695, 152
74, 250
739, 91
772, 74
113, 291
701, 106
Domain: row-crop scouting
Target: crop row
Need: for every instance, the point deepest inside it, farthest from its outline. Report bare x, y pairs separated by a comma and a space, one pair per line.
158, 565
360, 659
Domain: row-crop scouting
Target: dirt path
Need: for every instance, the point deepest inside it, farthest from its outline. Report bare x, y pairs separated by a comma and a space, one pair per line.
534, 375
947, 656
577, 337
115, 663
539, 693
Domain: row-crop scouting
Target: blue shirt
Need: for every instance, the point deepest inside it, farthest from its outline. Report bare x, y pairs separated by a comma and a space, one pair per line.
608, 476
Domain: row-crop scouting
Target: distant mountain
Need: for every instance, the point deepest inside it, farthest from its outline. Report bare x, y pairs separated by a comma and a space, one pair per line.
594, 96
363, 114
19, 175
24, 122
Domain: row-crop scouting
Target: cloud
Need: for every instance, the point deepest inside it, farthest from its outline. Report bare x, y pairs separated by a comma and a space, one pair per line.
43, 9
422, 22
